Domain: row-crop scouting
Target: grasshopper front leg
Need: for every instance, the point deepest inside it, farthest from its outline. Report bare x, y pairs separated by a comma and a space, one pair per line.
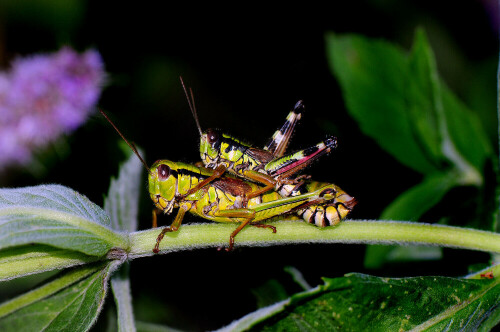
173, 227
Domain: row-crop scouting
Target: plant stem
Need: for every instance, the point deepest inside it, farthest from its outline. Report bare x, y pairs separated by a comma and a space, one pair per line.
120, 284
294, 232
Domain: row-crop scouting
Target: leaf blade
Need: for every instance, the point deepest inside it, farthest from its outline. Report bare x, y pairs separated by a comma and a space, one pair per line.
372, 75
392, 94
122, 201
74, 308
414, 202
45, 290
357, 301
26, 260
57, 216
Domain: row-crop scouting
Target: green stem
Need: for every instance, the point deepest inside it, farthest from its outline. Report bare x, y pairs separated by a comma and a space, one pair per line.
120, 284
294, 232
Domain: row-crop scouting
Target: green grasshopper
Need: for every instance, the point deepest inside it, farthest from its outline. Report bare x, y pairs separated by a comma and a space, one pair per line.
265, 166
268, 166
194, 189
175, 185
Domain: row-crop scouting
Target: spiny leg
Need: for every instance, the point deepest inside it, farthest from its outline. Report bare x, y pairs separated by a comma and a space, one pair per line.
172, 228
279, 142
243, 224
258, 224
284, 205
233, 234
284, 167
236, 213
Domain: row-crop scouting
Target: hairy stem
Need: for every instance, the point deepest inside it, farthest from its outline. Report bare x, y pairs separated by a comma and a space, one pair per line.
294, 232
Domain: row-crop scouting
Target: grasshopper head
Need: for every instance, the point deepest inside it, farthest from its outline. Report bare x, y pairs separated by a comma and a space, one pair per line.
163, 184
210, 142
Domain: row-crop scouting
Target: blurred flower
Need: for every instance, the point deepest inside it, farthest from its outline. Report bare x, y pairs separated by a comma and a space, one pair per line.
43, 97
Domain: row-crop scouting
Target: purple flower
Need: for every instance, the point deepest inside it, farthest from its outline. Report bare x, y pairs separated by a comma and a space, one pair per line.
43, 97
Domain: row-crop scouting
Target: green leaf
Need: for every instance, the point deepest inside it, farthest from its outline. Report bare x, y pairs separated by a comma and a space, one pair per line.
297, 277
445, 126
410, 205
122, 202
57, 216
377, 255
467, 133
414, 202
391, 94
69, 303
425, 107
46, 290
269, 292
11, 288
26, 260
373, 76
358, 301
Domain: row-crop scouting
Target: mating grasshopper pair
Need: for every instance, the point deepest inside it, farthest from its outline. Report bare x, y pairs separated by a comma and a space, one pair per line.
171, 184
214, 195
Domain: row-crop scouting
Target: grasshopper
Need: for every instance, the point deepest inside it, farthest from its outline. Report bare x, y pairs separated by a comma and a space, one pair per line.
195, 189
175, 185
267, 166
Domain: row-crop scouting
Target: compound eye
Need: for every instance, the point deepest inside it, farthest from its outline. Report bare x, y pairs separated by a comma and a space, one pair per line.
163, 172
212, 136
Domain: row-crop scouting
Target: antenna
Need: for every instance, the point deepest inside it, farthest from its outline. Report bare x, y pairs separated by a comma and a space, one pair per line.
192, 107
131, 145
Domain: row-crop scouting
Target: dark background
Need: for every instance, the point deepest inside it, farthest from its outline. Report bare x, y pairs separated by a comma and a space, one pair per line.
247, 65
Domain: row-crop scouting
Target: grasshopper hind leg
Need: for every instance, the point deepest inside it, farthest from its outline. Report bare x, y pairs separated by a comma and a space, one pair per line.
280, 139
258, 224
243, 225
249, 215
